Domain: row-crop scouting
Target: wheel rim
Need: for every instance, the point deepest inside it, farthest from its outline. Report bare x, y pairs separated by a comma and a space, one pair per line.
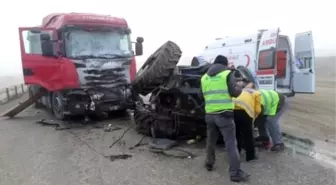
57, 104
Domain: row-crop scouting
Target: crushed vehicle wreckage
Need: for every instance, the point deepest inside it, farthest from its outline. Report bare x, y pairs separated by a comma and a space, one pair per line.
265, 58
176, 106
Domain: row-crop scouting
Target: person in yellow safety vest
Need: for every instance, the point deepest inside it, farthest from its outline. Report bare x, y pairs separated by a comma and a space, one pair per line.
274, 105
247, 109
218, 87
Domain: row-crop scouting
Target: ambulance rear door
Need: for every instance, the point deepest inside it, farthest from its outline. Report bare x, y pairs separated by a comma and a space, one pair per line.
304, 75
266, 57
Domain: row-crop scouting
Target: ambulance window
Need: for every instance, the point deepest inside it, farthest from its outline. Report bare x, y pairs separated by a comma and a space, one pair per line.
266, 59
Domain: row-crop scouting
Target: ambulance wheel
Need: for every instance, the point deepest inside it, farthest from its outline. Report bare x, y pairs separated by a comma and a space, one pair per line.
157, 68
57, 106
32, 90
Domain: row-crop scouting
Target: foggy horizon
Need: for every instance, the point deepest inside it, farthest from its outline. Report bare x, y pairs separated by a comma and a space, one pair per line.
178, 22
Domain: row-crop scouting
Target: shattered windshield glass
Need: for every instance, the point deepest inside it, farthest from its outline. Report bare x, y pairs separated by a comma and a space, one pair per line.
105, 44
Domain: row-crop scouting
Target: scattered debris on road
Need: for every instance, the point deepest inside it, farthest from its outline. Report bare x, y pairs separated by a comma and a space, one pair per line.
109, 128
65, 125
116, 141
174, 152
119, 157
139, 143
162, 144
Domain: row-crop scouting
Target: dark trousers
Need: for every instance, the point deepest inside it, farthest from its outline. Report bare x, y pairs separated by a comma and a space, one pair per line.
224, 124
244, 133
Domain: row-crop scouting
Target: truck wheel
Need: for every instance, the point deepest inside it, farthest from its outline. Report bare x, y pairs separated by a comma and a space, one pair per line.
32, 91
57, 106
157, 68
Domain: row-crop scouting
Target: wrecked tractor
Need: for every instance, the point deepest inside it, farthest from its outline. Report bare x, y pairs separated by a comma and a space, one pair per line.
175, 105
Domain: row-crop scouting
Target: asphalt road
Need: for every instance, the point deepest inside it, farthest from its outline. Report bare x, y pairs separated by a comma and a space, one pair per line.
32, 154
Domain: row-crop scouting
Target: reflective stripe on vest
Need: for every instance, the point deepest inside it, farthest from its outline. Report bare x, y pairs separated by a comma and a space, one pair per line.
270, 100
215, 92
244, 105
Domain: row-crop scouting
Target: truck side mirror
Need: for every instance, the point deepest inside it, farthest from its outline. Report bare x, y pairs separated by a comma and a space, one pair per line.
138, 46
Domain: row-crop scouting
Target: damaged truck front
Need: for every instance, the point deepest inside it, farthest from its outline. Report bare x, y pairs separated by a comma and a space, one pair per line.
83, 62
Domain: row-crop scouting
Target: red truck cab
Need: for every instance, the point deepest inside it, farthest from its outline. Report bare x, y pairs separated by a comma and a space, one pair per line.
84, 62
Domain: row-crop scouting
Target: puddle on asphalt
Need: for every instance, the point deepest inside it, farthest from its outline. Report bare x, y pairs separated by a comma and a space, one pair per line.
119, 157
309, 148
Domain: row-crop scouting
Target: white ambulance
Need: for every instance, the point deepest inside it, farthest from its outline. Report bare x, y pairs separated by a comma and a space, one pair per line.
269, 57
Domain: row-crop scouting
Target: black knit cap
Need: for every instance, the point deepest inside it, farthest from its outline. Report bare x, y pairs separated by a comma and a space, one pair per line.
220, 59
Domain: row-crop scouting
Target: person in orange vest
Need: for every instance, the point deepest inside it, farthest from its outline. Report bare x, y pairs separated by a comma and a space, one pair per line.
247, 109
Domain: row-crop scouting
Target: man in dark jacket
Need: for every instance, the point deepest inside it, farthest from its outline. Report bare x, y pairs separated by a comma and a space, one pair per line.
219, 85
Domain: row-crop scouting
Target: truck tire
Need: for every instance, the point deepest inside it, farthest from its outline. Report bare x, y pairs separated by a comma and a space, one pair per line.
57, 106
157, 68
32, 90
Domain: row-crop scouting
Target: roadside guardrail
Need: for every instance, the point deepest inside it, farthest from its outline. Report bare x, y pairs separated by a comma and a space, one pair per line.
12, 92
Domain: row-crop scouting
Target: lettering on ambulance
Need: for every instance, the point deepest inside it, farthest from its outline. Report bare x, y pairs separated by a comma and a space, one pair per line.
271, 40
235, 59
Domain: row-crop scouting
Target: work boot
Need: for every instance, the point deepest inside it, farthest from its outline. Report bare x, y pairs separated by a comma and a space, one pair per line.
209, 167
240, 177
252, 159
262, 142
266, 145
278, 147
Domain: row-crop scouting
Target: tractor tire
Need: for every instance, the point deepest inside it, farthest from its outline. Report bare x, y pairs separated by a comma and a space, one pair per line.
157, 68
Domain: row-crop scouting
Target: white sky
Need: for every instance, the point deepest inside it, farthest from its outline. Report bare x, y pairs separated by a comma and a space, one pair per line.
191, 24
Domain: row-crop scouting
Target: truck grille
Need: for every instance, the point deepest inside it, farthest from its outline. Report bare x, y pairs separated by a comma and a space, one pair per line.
103, 72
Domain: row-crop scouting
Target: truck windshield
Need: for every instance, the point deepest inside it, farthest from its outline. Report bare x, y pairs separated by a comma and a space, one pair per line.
97, 44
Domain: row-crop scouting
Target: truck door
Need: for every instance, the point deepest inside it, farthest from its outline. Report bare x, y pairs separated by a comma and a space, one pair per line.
41, 62
304, 76
266, 57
